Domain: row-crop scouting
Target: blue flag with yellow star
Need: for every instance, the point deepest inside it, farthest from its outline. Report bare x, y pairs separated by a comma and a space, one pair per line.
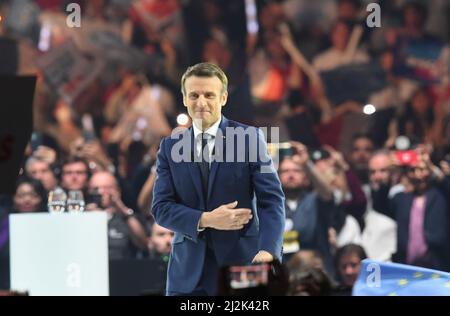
393, 279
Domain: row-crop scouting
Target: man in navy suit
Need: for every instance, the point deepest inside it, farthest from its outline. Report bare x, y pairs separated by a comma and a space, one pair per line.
421, 216
216, 188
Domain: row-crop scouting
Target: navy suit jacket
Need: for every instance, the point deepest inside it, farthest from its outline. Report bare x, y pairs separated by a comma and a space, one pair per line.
178, 203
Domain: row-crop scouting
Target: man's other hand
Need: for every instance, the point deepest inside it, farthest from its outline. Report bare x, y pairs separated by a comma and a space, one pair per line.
262, 256
226, 217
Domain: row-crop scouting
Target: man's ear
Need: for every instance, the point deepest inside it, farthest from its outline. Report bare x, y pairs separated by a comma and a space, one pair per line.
224, 98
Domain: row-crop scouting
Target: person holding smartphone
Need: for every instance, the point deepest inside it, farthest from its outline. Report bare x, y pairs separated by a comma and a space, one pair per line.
421, 217
309, 206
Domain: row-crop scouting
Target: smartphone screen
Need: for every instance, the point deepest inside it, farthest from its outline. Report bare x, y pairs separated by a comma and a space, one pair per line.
242, 277
88, 128
407, 157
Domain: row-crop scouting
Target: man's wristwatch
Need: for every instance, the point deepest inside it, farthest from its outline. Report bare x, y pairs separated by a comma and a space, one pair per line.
128, 213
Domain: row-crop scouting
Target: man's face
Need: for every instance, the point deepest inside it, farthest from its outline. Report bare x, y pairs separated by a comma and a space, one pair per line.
361, 150
74, 176
161, 239
349, 267
40, 170
419, 176
204, 99
380, 169
292, 176
104, 183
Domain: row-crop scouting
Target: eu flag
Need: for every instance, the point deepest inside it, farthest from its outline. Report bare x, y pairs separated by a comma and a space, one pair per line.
393, 279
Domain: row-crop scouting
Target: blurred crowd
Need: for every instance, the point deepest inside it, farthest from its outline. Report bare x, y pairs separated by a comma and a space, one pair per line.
365, 113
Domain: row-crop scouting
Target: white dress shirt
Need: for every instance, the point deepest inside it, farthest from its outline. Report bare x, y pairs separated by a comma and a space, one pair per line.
212, 132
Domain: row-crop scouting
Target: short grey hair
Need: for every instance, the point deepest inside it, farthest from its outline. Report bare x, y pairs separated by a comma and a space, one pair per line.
33, 159
205, 70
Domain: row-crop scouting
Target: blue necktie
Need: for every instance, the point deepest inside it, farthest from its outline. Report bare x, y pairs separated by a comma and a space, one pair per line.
204, 163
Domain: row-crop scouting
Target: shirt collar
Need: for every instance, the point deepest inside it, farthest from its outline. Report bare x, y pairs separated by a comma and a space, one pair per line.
210, 131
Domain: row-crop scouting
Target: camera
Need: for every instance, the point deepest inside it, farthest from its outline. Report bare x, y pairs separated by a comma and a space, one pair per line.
318, 154
285, 149
282, 149
94, 198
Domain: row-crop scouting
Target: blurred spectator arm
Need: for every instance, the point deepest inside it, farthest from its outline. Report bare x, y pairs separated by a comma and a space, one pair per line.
301, 157
381, 202
146, 195
295, 54
321, 101
67, 131
424, 152
94, 152
347, 107
436, 132
138, 235
127, 31
115, 104
353, 42
317, 88
171, 69
323, 189
357, 205
392, 134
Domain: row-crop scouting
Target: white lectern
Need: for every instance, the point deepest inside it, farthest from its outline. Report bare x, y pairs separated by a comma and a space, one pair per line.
59, 254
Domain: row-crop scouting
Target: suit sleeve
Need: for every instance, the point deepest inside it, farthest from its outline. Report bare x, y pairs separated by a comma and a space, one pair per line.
437, 237
167, 212
382, 203
269, 200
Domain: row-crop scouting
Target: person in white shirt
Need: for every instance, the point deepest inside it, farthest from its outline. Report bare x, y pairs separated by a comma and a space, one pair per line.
379, 236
